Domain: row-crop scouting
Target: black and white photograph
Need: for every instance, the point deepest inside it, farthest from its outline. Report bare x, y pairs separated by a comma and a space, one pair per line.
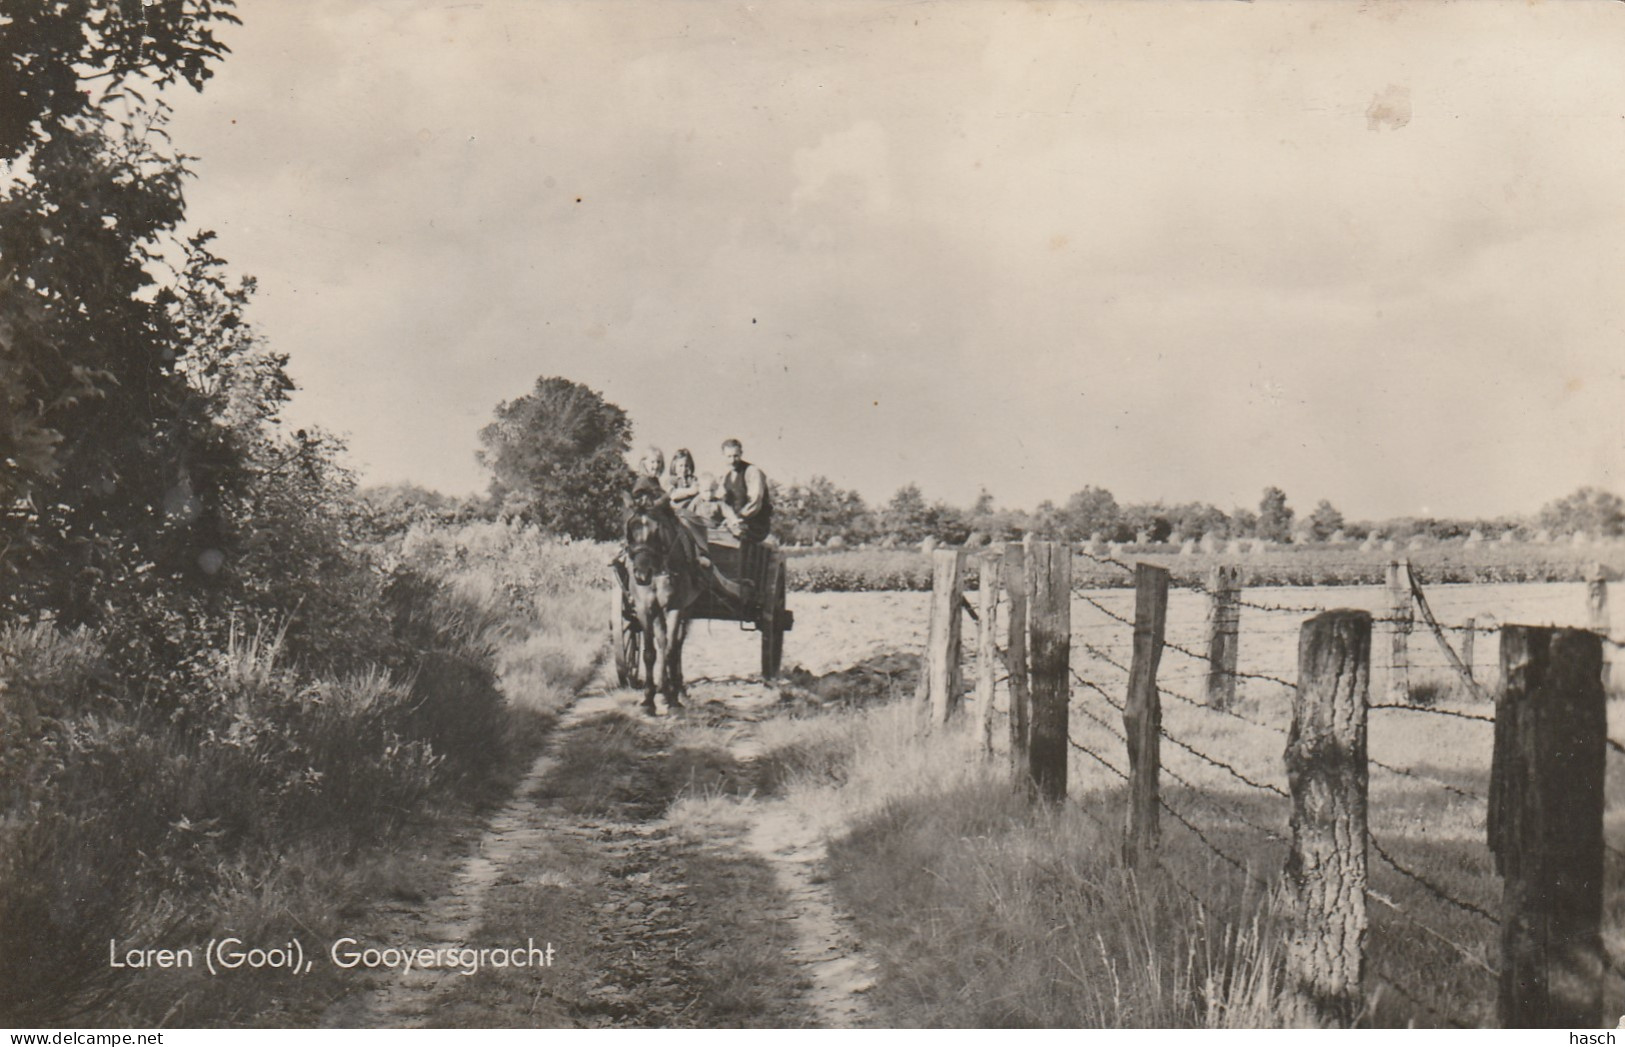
811, 514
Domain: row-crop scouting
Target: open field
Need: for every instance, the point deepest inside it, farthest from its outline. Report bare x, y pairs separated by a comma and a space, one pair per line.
878, 570
839, 628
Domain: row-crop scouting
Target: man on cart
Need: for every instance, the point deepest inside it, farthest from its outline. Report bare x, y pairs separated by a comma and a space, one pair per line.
747, 502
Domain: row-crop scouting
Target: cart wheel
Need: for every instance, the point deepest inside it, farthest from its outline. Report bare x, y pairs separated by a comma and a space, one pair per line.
625, 641
771, 624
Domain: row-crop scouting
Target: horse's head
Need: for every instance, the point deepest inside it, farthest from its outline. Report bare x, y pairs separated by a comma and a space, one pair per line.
647, 545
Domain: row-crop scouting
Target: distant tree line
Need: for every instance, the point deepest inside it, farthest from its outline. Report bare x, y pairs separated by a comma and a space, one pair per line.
557, 456
821, 513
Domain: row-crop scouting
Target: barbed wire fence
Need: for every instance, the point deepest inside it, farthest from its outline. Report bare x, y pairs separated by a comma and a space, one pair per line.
1232, 806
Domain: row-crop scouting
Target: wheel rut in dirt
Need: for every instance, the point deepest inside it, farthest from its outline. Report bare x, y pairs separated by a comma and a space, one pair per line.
656, 922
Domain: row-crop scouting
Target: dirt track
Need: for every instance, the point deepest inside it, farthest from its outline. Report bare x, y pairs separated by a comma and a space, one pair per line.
638, 908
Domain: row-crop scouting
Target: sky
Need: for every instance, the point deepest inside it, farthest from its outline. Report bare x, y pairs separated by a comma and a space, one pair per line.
1366, 252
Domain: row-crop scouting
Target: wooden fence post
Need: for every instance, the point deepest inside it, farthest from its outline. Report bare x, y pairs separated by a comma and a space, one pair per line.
942, 671
1142, 715
1597, 615
1399, 610
987, 640
1462, 669
1470, 630
1223, 634
1545, 826
1327, 770
1013, 573
1049, 583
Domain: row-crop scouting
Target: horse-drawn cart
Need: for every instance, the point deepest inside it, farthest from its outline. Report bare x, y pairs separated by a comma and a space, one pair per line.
759, 564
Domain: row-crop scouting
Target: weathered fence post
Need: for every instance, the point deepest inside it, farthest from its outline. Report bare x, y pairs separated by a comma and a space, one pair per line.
1326, 768
942, 672
1597, 615
1597, 599
1049, 583
1545, 826
1013, 573
1142, 714
987, 640
1399, 610
1223, 634
1450, 655
1470, 630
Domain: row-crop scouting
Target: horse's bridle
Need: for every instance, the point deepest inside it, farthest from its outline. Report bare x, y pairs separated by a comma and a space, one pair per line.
647, 554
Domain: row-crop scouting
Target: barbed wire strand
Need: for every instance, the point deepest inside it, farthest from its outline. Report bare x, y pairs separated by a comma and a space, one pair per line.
1105, 561
1187, 652
1197, 792
1206, 905
1190, 701
1177, 883
1416, 775
1466, 953
1432, 888
1109, 660
1384, 766
1220, 764
1398, 910
1199, 588
1240, 866
1387, 767
1405, 995
1419, 776
1429, 711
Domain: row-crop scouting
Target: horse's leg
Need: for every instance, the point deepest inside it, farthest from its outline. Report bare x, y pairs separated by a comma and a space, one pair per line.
653, 649
677, 629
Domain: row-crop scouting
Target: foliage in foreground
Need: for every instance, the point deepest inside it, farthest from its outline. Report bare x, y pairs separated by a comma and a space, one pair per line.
226, 805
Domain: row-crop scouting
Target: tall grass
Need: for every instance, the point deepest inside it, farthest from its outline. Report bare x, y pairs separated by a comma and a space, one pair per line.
263, 797
985, 910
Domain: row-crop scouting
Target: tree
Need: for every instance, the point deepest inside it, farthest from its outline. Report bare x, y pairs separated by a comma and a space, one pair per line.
79, 231
392, 509
110, 459
1199, 519
1149, 519
815, 512
1325, 521
1046, 521
557, 458
1274, 516
906, 515
948, 523
52, 51
1590, 510
1090, 511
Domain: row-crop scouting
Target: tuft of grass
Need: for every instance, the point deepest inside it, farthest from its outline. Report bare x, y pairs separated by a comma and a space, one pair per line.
988, 912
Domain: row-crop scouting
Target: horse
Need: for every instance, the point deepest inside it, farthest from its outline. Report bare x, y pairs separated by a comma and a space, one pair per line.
664, 582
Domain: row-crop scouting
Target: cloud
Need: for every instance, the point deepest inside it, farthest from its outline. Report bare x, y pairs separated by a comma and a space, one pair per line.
1155, 247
